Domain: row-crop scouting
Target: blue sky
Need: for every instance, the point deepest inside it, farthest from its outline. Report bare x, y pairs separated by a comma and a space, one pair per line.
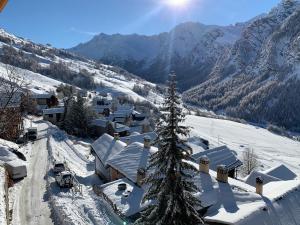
65, 23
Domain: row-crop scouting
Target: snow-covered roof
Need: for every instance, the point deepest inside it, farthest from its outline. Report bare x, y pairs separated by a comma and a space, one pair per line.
106, 146
281, 172
234, 202
219, 156
59, 110
130, 205
139, 137
251, 178
120, 127
100, 122
132, 158
41, 95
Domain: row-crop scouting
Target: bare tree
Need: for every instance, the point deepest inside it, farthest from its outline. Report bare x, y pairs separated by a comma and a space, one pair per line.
249, 161
12, 85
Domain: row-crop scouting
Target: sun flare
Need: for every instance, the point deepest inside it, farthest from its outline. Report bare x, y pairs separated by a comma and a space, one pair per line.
176, 3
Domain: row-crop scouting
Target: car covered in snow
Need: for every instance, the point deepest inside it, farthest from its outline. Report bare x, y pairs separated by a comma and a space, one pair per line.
64, 179
32, 133
59, 167
16, 169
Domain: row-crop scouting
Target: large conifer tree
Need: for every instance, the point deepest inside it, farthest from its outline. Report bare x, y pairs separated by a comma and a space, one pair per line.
170, 178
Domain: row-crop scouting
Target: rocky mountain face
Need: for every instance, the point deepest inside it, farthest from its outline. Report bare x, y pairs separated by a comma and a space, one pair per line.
249, 70
190, 49
258, 79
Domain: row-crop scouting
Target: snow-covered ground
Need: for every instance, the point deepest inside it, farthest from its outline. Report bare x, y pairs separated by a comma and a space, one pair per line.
2, 198
77, 208
270, 148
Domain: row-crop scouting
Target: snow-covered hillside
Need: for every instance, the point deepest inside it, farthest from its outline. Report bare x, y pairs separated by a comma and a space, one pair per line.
271, 149
191, 49
258, 79
35, 59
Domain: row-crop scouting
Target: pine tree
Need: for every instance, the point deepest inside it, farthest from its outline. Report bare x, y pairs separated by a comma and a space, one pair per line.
78, 117
170, 181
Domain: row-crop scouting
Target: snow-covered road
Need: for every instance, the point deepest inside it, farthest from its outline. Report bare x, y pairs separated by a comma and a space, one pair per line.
33, 207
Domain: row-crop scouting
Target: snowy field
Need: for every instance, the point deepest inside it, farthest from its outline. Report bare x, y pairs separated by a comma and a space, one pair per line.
271, 149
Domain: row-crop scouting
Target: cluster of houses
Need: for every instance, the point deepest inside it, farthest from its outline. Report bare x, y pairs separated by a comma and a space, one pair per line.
113, 117
261, 198
14, 103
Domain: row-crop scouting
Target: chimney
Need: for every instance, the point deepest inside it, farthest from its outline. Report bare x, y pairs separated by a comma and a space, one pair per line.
116, 136
222, 173
147, 142
259, 185
204, 164
141, 175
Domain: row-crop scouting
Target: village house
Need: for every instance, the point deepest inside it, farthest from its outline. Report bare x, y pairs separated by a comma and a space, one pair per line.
44, 100
133, 158
220, 156
277, 173
54, 115
121, 129
223, 200
104, 148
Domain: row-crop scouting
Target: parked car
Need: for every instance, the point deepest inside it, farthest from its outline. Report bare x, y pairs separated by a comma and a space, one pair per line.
64, 179
59, 167
21, 139
32, 133
16, 169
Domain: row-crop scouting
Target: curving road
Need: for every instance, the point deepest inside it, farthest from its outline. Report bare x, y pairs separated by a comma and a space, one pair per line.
33, 204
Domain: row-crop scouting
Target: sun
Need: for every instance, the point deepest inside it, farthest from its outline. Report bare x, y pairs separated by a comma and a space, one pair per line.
177, 3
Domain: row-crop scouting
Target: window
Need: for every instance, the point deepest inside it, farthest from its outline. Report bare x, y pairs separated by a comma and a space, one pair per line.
50, 115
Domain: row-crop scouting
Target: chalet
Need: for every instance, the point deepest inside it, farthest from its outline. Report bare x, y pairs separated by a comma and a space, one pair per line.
44, 100
220, 155
132, 159
104, 148
123, 117
120, 129
54, 115
223, 200
277, 173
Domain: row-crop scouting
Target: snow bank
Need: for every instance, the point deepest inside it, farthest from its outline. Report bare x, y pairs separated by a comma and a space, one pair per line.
2, 198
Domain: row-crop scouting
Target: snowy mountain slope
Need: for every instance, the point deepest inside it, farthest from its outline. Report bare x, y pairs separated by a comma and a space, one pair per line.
258, 79
270, 148
44, 68
191, 49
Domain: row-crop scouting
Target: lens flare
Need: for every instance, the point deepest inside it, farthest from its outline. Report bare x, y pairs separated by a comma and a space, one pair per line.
176, 3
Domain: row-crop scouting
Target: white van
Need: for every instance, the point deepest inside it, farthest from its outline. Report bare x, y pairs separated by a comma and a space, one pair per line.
16, 169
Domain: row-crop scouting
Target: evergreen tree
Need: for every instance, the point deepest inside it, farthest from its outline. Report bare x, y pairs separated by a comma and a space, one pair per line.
78, 117
170, 181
